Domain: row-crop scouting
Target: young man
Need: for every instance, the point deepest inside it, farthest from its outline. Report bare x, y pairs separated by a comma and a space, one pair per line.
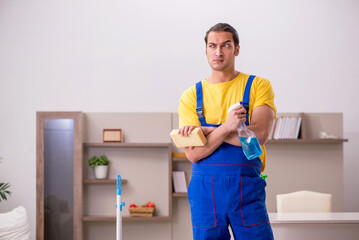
226, 188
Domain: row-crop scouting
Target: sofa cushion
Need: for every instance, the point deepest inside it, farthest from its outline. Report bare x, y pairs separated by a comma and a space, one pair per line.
14, 224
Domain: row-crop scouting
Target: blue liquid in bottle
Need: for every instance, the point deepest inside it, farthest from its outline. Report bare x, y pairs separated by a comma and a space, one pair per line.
249, 142
251, 147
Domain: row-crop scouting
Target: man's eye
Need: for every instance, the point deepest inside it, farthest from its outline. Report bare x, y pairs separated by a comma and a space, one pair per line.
211, 46
226, 45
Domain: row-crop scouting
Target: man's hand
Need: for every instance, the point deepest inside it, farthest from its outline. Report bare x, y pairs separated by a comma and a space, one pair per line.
235, 118
215, 136
186, 130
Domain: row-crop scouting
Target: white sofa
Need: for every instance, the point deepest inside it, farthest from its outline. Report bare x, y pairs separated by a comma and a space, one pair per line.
14, 225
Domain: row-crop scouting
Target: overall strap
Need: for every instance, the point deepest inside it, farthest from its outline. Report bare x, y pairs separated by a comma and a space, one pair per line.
199, 108
246, 95
245, 101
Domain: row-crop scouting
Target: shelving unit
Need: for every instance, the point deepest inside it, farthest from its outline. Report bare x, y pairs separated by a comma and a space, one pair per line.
103, 148
147, 154
183, 159
144, 161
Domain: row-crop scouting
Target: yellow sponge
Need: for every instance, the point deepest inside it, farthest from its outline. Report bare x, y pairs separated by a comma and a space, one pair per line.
195, 138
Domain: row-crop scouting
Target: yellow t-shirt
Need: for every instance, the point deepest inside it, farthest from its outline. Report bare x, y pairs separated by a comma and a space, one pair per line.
217, 98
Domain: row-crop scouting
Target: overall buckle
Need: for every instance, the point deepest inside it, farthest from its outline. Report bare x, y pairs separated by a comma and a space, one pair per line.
246, 107
200, 113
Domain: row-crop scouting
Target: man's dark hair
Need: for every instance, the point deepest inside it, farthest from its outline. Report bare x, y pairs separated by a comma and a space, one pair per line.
224, 27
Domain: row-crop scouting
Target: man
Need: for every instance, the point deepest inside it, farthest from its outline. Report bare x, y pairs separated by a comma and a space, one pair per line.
226, 188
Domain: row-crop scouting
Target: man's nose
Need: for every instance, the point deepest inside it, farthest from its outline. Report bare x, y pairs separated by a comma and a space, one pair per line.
218, 51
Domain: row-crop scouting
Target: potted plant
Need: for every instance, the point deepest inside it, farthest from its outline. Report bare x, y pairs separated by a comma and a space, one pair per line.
4, 189
100, 165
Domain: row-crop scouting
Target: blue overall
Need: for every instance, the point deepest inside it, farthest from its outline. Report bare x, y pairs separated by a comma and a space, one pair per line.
226, 189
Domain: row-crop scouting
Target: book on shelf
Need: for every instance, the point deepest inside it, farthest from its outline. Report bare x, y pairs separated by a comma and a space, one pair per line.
298, 127
286, 127
179, 181
270, 136
278, 123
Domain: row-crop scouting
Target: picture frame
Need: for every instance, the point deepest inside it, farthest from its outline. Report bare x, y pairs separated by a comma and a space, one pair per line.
113, 135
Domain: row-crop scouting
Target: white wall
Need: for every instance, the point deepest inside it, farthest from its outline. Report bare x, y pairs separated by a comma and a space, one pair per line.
138, 56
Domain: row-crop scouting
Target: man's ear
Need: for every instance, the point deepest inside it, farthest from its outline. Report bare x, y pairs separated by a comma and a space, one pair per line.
236, 51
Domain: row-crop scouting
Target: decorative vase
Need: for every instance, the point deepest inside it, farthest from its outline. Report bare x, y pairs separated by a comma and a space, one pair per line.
101, 171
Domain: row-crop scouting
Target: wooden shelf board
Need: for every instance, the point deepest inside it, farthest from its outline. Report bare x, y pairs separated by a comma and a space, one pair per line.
180, 159
284, 141
306, 141
126, 145
180, 195
125, 219
103, 181
178, 155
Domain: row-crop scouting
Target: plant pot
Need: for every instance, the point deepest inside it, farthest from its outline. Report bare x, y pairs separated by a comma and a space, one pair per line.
101, 171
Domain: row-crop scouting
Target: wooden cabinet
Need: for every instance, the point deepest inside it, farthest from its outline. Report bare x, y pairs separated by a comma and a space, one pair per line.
145, 163
181, 160
149, 152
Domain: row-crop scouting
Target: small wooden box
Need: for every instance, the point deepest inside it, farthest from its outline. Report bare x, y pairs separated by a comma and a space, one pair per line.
142, 211
112, 135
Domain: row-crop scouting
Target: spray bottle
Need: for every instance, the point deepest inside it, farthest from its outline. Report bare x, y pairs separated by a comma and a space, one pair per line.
249, 142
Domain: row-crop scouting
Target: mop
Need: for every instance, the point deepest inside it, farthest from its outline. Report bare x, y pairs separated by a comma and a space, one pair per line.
119, 206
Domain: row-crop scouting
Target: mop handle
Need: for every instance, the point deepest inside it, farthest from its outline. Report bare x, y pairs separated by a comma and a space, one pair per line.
119, 206
118, 187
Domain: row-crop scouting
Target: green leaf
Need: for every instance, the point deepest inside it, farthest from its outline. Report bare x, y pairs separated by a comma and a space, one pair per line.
96, 161
4, 191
